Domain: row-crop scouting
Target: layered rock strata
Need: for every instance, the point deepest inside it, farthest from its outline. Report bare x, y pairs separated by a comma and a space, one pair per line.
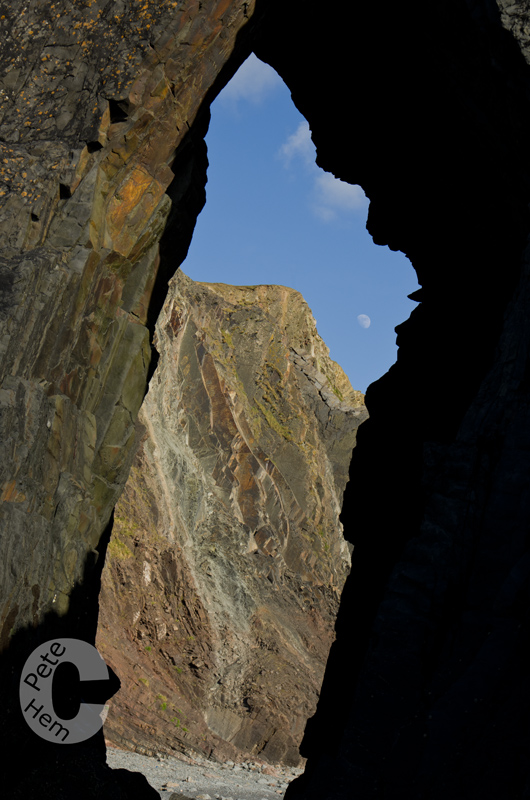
226, 561
102, 109
88, 152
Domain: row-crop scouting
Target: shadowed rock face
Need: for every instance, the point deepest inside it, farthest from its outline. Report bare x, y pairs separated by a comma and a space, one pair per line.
103, 112
227, 559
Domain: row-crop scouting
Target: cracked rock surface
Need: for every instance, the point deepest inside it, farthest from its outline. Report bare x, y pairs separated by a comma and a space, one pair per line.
227, 559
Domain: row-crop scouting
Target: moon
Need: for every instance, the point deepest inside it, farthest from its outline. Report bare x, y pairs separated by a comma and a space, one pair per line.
364, 321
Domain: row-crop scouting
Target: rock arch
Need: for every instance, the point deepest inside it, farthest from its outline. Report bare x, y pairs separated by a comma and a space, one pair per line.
427, 107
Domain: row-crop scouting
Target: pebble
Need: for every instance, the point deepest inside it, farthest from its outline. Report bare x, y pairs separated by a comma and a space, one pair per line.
198, 778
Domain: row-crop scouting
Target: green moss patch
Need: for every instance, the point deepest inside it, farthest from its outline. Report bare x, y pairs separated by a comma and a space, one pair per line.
117, 549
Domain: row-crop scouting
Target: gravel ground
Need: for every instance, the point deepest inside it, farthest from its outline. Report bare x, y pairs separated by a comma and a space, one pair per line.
176, 777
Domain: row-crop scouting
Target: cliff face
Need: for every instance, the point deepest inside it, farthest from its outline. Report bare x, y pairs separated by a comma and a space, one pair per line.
84, 205
104, 107
227, 559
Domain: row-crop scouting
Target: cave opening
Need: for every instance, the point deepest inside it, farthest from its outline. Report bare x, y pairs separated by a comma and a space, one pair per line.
437, 516
273, 216
272, 219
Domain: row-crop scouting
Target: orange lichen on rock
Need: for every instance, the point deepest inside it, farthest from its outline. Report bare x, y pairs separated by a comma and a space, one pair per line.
133, 203
10, 493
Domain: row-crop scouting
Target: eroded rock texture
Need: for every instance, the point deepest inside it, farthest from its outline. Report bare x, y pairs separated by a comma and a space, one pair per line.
100, 115
104, 107
89, 139
227, 559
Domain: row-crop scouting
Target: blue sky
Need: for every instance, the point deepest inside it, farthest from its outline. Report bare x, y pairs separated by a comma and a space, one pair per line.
272, 216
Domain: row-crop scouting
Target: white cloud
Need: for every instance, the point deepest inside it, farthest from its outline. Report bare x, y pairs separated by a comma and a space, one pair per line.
331, 197
299, 144
253, 80
335, 194
364, 320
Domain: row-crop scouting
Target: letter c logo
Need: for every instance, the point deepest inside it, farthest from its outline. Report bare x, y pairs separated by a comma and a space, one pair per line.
36, 690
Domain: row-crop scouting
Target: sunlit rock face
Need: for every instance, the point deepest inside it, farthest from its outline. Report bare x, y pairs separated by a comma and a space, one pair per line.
227, 558
88, 152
